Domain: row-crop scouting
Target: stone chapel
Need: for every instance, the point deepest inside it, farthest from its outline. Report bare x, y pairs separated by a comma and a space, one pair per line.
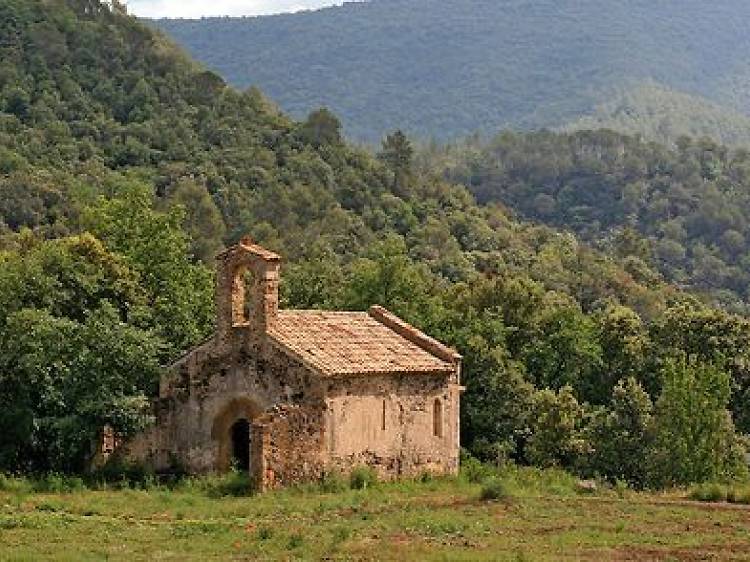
289, 395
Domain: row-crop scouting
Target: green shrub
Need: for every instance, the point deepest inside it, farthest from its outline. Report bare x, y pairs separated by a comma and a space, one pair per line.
363, 477
332, 483
265, 533
710, 492
123, 474
50, 507
236, 484
475, 471
621, 488
739, 496
551, 481
494, 489
295, 541
58, 484
14, 485
426, 477
341, 534
10, 523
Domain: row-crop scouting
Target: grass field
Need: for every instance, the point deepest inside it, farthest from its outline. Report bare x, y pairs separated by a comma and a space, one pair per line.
540, 516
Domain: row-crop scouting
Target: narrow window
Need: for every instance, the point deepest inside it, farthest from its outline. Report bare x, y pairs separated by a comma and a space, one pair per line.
383, 420
437, 418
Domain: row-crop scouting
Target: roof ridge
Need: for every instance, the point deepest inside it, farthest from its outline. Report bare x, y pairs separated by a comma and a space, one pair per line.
414, 335
320, 311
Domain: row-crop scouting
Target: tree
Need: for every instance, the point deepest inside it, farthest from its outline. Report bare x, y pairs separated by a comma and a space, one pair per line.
322, 128
564, 350
557, 437
179, 292
61, 381
625, 347
387, 276
67, 278
398, 154
495, 408
203, 221
314, 282
694, 437
619, 435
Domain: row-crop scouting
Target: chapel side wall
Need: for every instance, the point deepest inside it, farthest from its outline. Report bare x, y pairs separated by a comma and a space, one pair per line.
388, 422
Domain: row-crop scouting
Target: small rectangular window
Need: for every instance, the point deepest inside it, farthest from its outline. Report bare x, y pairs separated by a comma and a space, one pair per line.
437, 418
384, 412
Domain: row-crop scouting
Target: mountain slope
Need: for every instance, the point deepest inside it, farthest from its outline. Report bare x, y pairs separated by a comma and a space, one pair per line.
446, 69
663, 115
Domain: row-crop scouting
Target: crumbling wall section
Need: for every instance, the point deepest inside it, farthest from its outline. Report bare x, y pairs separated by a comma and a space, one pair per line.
290, 447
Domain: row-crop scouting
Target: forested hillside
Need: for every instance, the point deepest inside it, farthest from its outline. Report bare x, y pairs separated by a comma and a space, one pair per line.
124, 167
663, 115
684, 211
446, 69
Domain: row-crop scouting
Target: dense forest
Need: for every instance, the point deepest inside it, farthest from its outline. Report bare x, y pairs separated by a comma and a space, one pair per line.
124, 166
446, 69
684, 211
663, 115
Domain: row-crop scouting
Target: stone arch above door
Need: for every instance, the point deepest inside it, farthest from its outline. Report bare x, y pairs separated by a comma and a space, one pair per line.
221, 432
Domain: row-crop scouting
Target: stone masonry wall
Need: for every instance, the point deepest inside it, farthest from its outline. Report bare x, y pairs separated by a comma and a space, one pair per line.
290, 446
389, 423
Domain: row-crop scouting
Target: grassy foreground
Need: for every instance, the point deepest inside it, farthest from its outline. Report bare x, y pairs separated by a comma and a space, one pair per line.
539, 516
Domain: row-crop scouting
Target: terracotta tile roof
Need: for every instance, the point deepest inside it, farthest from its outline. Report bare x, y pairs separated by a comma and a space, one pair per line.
348, 343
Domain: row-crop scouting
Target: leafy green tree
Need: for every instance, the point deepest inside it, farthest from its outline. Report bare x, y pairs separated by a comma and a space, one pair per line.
315, 282
398, 154
705, 334
67, 278
388, 277
61, 381
625, 346
619, 435
496, 406
498, 398
179, 292
322, 128
694, 436
557, 437
564, 350
203, 221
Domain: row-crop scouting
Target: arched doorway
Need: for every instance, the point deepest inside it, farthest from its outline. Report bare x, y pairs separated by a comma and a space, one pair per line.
240, 436
232, 432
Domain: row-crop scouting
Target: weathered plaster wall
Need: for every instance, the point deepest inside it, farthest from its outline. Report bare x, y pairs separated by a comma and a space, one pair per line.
388, 422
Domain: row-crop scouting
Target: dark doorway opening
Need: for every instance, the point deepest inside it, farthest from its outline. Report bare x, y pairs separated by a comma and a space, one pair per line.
241, 445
